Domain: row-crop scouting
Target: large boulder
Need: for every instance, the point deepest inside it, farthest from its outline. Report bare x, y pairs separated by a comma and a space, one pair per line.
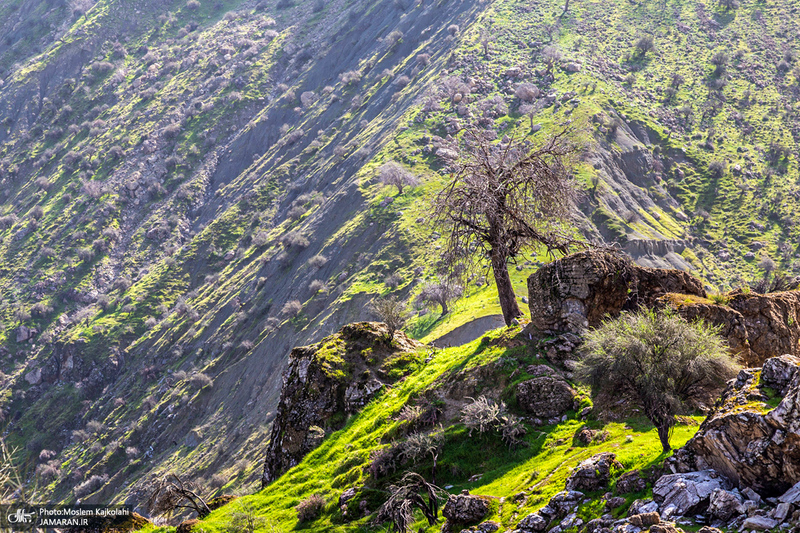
680, 494
546, 396
323, 384
593, 473
464, 509
578, 291
753, 435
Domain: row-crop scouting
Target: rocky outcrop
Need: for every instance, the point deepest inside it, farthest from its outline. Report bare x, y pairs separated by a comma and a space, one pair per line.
630, 482
464, 509
756, 326
560, 509
681, 494
753, 435
546, 396
324, 383
578, 291
594, 473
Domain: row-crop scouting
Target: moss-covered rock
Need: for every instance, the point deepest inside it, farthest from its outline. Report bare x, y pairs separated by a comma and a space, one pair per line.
328, 381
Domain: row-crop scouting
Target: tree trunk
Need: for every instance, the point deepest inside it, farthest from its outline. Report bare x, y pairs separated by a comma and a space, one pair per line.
566, 7
444, 308
505, 291
663, 435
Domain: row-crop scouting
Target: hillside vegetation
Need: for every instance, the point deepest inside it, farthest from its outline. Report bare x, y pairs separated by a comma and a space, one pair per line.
190, 189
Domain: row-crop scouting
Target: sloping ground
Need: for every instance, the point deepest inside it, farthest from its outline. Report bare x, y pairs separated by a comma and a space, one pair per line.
169, 186
523, 477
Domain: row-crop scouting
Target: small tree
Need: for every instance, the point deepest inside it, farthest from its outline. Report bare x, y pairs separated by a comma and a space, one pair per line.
656, 360
396, 175
391, 312
504, 198
440, 293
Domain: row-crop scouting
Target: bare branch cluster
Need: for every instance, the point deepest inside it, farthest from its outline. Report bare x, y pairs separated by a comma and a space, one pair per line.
170, 493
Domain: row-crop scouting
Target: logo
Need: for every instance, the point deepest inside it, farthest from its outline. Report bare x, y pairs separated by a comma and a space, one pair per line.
21, 517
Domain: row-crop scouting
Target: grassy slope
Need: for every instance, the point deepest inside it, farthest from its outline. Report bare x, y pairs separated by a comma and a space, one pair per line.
539, 468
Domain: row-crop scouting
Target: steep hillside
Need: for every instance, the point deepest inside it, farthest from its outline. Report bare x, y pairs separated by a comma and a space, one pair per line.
189, 189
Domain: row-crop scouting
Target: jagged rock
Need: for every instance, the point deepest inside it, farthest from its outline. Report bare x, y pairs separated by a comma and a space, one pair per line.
782, 511
792, 495
748, 441
759, 523
533, 523
730, 321
323, 384
24, 334
561, 504
756, 326
778, 372
546, 396
630, 482
645, 519
642, 507
464, 509
593, 473
578, 291
571, 521
598, 525
725, 504
679, 494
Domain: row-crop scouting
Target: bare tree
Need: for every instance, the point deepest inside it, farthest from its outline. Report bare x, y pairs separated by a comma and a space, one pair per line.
170, 493
440, 293
395, 174
504, 198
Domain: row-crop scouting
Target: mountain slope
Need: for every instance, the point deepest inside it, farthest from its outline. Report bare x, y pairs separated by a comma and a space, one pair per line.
189, 190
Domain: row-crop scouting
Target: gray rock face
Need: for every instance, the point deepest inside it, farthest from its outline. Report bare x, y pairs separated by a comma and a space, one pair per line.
546, 396
748, 441
679, 494
792, 495
533, 523
725, 505
593, 473
465, 509
642, 506
759, 523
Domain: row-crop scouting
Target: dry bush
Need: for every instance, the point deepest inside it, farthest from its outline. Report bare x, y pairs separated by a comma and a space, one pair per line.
291, 308
90, 485
200, 380
310, 508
